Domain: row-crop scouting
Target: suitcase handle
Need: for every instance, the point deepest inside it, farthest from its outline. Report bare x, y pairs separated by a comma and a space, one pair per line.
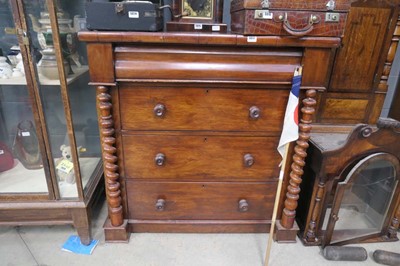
300, 32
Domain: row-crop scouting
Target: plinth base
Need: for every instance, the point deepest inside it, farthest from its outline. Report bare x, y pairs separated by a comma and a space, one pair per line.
283, 235
119, 234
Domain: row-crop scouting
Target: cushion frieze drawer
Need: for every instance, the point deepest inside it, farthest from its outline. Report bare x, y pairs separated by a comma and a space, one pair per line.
163, 62
166, 108
201, 157
198, 200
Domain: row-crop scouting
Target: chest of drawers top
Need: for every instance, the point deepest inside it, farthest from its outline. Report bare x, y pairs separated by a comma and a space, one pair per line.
199, 58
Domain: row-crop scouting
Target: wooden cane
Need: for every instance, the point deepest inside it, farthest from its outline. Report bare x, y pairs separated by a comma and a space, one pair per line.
276, 205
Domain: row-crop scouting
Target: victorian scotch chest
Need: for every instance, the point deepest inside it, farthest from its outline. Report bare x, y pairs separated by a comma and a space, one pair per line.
190, 122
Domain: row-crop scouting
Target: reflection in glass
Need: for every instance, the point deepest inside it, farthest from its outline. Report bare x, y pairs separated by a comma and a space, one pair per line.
197, 8
366, 200
47, 66
26, 146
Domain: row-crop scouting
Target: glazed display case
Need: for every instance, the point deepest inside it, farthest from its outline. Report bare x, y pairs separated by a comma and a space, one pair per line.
50, 158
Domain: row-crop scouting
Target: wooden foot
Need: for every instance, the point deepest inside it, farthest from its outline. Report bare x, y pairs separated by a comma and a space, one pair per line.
283, 235
82, 225
306, 242
117, 234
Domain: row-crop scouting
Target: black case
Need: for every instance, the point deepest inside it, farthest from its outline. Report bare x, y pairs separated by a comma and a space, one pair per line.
126, 16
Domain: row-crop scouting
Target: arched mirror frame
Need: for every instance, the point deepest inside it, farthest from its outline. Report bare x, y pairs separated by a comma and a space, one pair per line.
349, 176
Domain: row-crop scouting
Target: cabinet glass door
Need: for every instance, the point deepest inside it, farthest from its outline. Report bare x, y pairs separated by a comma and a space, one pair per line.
49, 138
82, 97
363, 199
49, 95
23, 165
68, 102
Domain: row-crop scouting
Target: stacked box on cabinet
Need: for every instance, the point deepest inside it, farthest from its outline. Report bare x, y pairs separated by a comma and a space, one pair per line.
126, 16
289, 18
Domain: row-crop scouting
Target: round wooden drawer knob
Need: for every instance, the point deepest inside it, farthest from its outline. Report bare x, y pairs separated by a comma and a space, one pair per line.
159, 110
243, 205
160, 159
160, 205
254, 112
248, 160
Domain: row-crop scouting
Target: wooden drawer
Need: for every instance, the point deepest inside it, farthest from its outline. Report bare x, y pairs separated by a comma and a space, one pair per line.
190, 201
201, 157
201, 109
163, 62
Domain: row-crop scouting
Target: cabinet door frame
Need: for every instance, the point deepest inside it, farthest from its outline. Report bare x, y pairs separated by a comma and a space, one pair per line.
348, 181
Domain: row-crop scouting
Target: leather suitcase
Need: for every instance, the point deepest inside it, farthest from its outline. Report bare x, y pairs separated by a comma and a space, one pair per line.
289, 18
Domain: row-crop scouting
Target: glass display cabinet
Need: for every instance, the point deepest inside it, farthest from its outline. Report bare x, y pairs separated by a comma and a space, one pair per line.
50, 163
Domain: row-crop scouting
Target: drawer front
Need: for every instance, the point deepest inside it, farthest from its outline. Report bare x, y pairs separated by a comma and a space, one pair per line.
193, 63
288, 23
202, 109
191, 201
177, 157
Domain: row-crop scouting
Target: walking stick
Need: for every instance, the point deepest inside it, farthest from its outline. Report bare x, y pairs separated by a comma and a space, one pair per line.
276, 205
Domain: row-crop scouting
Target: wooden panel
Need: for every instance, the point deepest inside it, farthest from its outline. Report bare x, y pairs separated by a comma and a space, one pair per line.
101, 56
376, 107
201, 157
357, 60
338, 110
317, 66
201, 108
191, 201
206, 63
200, 226
30, 216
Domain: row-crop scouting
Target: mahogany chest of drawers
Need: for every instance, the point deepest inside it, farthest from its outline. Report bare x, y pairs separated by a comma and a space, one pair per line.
190, 122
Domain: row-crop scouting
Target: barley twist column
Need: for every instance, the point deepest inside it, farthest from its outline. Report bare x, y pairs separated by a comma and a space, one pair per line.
110, 159
293, 190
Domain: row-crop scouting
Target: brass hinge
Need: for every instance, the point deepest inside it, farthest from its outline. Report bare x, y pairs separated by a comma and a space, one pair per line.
8, 30
22, 34
19, 32
377, 77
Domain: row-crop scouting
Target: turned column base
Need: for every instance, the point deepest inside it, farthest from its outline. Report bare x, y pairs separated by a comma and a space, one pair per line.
116, 234
283, 235
316, 241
